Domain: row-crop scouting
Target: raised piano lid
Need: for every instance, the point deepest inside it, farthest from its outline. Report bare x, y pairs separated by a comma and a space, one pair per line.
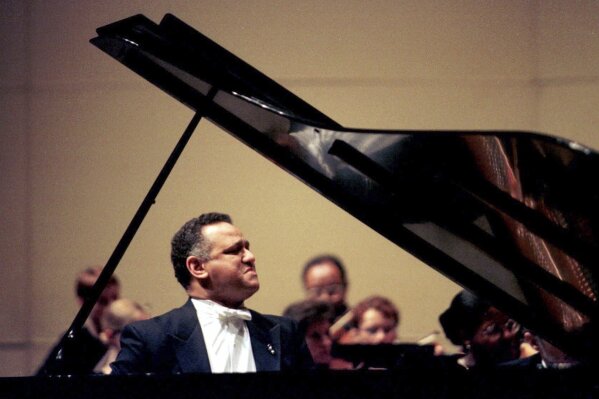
512, 216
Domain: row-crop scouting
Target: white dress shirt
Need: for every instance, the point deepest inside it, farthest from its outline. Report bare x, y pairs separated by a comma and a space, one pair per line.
226, 337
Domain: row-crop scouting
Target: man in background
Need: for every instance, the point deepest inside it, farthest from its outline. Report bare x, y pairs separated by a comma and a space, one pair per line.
82, 354
324, 278
116, 316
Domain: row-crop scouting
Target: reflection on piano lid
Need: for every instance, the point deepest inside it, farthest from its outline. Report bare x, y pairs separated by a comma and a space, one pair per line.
512, 216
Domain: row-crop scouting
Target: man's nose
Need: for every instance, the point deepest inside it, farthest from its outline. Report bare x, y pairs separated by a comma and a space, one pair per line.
248, 257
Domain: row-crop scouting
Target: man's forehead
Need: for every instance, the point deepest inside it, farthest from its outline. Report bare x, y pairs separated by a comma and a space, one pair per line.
222, 231
322, 274
325, 268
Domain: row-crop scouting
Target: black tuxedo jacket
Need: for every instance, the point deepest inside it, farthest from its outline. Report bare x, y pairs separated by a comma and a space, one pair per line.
174, 343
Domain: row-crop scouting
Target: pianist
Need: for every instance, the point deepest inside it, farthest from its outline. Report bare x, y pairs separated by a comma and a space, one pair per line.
212, 332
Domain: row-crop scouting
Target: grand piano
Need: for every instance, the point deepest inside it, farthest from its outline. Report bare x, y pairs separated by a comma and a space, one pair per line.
511, 216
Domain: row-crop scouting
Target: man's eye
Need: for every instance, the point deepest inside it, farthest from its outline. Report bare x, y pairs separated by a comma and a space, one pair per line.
234, 250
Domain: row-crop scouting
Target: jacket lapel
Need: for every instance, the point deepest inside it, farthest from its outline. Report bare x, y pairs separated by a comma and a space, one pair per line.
188, 342
266, 343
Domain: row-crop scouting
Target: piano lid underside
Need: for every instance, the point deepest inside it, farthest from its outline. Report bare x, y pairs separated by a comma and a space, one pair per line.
511, 216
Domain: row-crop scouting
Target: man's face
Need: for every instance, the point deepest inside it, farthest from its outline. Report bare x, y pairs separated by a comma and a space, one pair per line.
323, 282
232, 276
111, 293
375, 328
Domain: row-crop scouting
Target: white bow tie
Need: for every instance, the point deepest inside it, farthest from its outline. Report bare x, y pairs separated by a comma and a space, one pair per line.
227, 314
213, 310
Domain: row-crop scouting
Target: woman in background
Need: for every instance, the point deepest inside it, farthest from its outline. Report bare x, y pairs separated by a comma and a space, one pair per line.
488, 337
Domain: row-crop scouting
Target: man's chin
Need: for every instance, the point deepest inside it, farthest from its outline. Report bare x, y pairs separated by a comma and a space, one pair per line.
252, 278
253, 285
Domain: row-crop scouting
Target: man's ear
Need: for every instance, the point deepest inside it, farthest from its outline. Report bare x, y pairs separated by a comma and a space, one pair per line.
196, 267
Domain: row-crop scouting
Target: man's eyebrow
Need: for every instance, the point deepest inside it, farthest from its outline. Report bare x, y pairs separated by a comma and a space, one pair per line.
241, 243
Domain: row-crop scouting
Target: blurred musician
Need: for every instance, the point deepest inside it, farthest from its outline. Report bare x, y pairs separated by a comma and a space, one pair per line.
325, 279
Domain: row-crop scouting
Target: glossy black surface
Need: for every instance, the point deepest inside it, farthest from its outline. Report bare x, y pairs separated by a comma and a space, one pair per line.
404, 383
512, 216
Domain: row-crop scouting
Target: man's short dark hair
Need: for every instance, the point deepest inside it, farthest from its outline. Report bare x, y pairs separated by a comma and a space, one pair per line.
189, 241
308, 312
86, 280
317, 260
